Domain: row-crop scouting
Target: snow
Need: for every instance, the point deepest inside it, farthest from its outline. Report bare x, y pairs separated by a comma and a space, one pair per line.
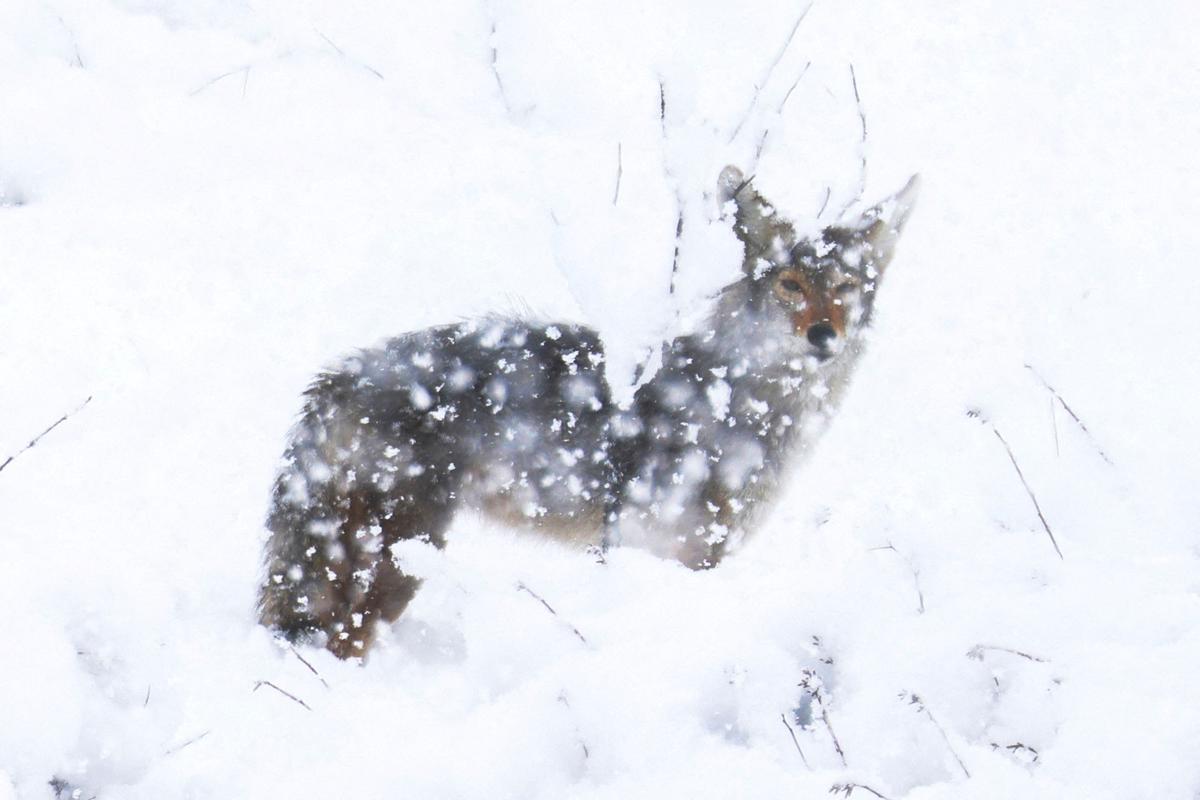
201, 203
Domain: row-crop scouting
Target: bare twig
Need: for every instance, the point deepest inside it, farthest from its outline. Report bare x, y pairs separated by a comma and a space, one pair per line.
74, 43
978, 651
770, 70
862, 146
1036, 505
812, 684
330, 42
792, 88
189, 742
795, 741
662, 116
824, 655
259, 684
353, 61
1070, 411
33, 442
1018, 747
916, 573
496, 70
762, 140
862, 117
915, 700
675, 258
522, 587
1054, 427
562, 698
825, 202
146, 702
617, 190
639, 371
975, 414
245, 71
311, 668
846, 789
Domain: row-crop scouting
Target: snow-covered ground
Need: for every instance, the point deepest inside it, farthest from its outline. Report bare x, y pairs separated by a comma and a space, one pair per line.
201, 202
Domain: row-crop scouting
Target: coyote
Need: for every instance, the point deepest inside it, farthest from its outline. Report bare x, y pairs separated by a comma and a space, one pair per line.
515, 419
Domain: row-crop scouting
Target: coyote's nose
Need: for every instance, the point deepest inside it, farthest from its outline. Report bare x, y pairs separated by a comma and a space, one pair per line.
821, 335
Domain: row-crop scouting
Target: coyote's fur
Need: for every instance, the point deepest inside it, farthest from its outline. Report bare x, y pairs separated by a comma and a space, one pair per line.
515, 419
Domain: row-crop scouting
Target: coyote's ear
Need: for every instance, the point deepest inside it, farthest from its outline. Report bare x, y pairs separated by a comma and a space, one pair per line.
757, 226
879, 228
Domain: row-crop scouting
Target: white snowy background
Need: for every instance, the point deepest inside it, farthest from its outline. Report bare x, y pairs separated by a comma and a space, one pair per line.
203, 202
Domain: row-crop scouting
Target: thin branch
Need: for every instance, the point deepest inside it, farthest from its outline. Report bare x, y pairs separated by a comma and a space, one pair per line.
662, 115
259, 684
916, 573
770, 70
562, 698
846, 789
33, 442
662, 107
74, 43
1054, 428
146, 702
330, 42
812, 684
311, 668
1036, 505
639, 371
675, 258
644, 364
862, 117
353, 61
1017, 747
915, 700
978, 651
823, 654
1071, 411
522, 587
825, 202
496, 69
975, 414
837, 745
191, 741
222, 76
762, 140
617, 191
795, 741
862, 145
792, 88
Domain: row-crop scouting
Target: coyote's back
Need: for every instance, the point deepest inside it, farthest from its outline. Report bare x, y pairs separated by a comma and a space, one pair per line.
515, 419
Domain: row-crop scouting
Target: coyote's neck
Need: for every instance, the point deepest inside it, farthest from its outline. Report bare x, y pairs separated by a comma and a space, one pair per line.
779, 396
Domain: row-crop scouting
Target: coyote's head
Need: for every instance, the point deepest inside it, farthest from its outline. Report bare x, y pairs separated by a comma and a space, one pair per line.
822, 289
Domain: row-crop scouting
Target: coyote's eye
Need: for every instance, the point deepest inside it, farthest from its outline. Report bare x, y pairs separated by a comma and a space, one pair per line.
846, 287
790, 289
